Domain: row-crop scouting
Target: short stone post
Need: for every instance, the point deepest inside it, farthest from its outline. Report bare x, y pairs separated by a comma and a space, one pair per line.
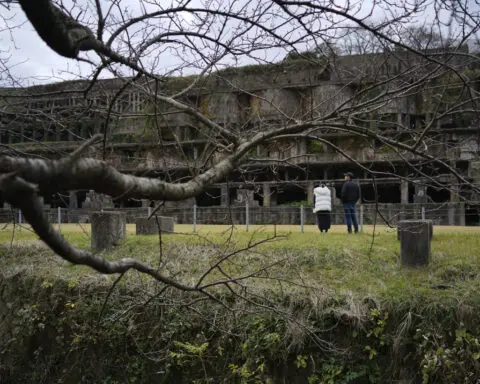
415, 236
108, 228
430, 228
146, 226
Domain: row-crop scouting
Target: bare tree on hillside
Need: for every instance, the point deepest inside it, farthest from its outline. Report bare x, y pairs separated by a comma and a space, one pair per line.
205, 37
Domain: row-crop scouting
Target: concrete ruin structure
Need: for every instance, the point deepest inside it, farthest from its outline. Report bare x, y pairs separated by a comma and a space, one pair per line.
147, 137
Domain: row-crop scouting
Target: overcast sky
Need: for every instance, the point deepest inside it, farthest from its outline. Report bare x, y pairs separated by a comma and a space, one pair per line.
32, 61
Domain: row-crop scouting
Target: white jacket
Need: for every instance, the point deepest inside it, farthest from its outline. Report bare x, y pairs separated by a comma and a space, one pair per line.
323, 199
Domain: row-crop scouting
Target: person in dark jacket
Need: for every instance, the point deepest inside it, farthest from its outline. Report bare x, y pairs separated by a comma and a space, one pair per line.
350, 195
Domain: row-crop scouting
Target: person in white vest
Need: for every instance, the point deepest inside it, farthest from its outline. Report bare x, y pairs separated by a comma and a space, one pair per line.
322, 200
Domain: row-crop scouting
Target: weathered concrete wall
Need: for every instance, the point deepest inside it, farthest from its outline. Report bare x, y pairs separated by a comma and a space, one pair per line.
276, 104
328, 98
223, 108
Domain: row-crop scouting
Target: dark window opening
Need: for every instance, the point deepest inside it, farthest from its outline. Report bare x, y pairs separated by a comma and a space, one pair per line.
51, 134
323, 76
211, 197
63, 136
16, 137
243, 106
387, 193
437, 195
291, 194
167, 134
472, 215
258, 196
38, 134
28, 133
131, 203
5, 136
193, 133
61, 200
81, 196
417, 121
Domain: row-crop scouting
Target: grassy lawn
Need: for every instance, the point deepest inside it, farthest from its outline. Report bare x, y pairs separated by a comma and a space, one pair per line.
336, 263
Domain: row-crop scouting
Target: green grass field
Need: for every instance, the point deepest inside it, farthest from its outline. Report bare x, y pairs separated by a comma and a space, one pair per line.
357, 265
188, 228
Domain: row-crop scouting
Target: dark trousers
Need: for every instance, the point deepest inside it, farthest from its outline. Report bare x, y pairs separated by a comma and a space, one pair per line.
323, 220
350, 216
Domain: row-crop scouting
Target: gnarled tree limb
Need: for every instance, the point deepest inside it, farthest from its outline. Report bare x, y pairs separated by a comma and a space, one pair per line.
23, 195
61, 32
87, 173
68, 37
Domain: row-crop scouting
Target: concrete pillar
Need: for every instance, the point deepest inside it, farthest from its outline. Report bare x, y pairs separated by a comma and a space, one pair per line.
399, 121
451, 214
325, 174
302, 146
310, 192
334, 195
224, 195
454, 201
108, 228
73, 200
404, 191
178, 132
461, 214
454, 198
415, 240
266, 195
273, 197
420, 194
145, 226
